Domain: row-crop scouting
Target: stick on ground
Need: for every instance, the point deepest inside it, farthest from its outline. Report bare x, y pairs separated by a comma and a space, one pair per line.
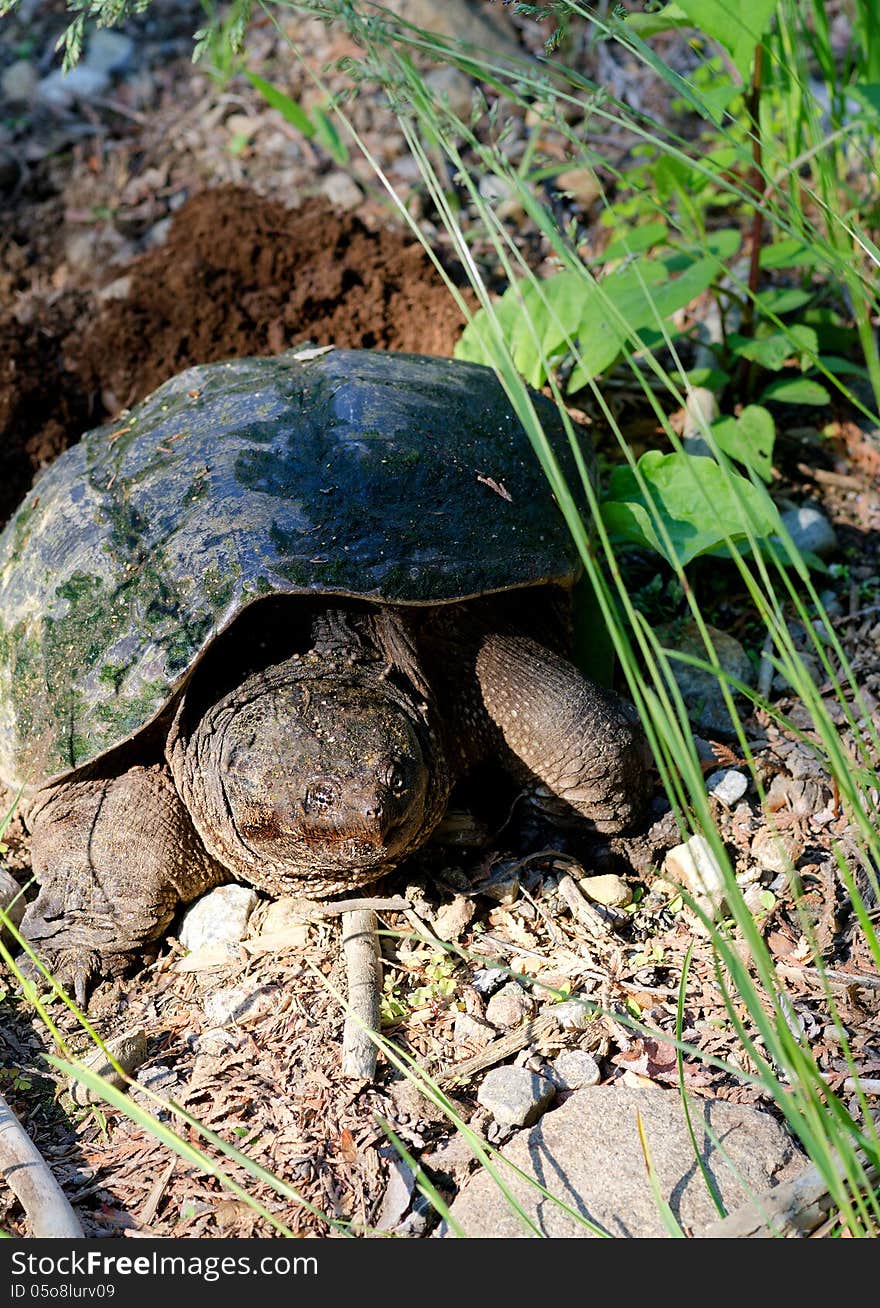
361, 950
28, 1176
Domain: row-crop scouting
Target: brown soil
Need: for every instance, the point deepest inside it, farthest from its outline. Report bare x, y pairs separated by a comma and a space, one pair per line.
237, 275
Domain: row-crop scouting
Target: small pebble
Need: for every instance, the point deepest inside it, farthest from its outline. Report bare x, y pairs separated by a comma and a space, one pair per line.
219, 918
128, 1049
240, 1004
811, 531
81, 83
108, 51
728, 786
451, 84
574, 1069
607, 889
776, 851
342, 190
515, 1096
216, 1041
486, 980
695, 866
510, 1006
18, 82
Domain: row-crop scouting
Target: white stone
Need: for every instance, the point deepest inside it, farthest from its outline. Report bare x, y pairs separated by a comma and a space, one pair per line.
695, 866
574, 1069
108, 51
218, 918
81, 83
18, 82
727, 785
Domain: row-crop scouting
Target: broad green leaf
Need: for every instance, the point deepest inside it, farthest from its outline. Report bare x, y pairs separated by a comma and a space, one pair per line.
714, 379
790, 253
748, 439
539, 319
799, 390
289, 109
635, 241
773, 349
843, 367
661, 20
738, 27
868, 94
782, 299
698, 502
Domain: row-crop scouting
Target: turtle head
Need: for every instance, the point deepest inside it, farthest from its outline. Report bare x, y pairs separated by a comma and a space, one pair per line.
305, 781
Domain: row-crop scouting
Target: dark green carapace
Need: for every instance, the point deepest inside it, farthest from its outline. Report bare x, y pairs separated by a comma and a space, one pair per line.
388, 477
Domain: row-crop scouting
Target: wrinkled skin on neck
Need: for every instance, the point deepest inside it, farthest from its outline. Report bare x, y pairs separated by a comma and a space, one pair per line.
314, 776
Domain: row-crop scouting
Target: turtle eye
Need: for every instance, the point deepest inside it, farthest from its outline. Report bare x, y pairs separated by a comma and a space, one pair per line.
396, 781
318, 798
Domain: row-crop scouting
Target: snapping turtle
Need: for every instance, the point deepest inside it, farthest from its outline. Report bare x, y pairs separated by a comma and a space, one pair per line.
257, 628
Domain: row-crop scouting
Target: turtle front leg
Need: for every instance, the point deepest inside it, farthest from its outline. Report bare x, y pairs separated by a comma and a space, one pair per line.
115, 857
583, 743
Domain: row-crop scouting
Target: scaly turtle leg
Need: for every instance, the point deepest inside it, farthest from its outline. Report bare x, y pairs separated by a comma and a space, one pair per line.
581, 742
115, 857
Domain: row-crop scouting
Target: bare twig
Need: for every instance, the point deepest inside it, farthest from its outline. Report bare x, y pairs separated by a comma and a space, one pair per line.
28, 1176
361, 949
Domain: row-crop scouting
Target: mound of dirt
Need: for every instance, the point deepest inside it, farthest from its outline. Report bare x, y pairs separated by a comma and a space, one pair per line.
242, 275
237, 275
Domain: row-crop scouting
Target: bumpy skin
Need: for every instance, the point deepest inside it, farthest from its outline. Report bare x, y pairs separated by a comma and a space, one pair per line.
318, 774
322, 772
115, 856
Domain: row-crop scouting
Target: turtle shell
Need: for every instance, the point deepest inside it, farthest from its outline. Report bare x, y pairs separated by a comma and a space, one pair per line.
388, 477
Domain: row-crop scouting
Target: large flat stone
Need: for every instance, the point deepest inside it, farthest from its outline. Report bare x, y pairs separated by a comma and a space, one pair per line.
588, 1154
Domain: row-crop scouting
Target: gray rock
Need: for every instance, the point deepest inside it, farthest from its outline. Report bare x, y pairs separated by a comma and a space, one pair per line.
128, 1050
468, 21
218, 918
515, 1096
811, 531
450, 83
571, 1014
728, 785
81, 83
109, 51
588, 1154
510, 1006
342, 190
18, 82
574, 1069
240, 1004
700, 690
